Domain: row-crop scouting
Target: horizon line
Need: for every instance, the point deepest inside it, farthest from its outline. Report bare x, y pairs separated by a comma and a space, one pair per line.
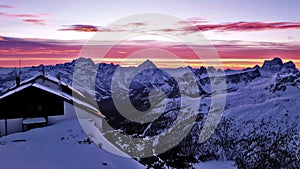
139, 61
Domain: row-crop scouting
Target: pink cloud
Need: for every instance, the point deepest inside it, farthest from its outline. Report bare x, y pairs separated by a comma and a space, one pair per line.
135, 24
138, 24
7, 6
168, 30
35, 21
86, 28
194, 20
243, 26
21, 15
26, 18
93, 28
235, 54
81, 28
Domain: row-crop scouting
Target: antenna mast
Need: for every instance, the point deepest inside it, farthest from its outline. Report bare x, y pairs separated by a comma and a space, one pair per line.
19, 67
18, 79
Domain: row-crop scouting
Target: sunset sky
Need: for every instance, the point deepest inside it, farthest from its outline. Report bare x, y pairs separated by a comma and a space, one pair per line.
244, 33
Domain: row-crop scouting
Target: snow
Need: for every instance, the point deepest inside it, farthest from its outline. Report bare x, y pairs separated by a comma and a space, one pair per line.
236, 72
93, 132
46, 76
82, 103
63, 145
49, 78
28, 80
216, 165
34, 120
50, 90
14, 91
68, 97
254, 101
247, 101
5, 70
56, 92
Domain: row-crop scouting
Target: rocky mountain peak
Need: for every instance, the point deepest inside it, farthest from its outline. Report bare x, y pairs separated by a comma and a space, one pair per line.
148, 64
273, 65
277, 66
289, 67
289, 64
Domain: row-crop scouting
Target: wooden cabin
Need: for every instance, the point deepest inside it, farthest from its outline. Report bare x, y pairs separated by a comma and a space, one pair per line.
40, 101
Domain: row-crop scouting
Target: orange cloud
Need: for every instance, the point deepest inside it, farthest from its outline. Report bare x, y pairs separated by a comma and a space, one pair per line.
82, 28
232, 54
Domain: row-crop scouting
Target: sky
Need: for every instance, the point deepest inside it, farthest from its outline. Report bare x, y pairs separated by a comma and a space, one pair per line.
243, 33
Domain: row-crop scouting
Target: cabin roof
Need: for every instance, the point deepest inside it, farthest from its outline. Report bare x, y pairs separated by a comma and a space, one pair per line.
46, 77
75, 97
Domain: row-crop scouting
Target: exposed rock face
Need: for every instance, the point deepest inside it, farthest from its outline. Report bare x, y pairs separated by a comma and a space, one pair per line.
277, 66
244, 76
288, 67
273, 65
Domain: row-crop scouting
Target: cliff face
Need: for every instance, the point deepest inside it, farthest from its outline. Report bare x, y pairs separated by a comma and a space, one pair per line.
277, 66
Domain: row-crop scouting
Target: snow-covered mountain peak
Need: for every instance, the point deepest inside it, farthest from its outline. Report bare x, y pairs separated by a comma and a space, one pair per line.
148, 64
289, 67
277, 66
85, 62
273, 65
256, 67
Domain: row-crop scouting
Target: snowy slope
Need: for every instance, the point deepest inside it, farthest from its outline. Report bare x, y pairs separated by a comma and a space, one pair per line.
215, 165
5, 70
260, 121
61, 146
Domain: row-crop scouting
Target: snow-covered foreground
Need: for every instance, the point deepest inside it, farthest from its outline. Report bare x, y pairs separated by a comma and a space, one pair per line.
66, 146
216, 165
60, 146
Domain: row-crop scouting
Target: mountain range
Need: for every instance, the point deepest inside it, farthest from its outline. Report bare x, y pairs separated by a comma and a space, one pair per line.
259, 127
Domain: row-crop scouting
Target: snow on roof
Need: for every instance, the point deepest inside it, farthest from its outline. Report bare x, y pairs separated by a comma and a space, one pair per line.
49, 78
24, 82
28, 80
66, 96
31, 82
46, 77
34, 120
15, 90
50, 90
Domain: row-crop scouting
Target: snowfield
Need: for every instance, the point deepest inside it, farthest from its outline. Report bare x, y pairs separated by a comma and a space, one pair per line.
216, 165
61, 146
66, 146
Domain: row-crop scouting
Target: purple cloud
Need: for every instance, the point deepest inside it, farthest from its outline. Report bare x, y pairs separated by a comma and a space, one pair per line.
35, 21
243, 26
7, 6
83, 28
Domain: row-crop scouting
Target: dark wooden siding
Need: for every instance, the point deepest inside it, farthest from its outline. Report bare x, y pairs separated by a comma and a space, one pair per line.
31, 102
